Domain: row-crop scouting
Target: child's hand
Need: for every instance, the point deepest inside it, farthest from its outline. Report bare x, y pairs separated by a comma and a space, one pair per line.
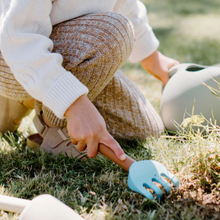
87, 128
158, 65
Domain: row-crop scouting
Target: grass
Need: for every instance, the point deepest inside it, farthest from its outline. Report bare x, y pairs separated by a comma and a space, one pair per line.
97, 188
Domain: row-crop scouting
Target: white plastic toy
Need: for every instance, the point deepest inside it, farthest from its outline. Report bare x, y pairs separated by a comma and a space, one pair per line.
189, 92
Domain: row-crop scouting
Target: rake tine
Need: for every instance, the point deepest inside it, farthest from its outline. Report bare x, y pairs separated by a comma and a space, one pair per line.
145, 193
172, 177
155, 188
164, 183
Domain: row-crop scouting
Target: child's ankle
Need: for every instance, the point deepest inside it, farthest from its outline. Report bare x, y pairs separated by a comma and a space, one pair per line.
47, 122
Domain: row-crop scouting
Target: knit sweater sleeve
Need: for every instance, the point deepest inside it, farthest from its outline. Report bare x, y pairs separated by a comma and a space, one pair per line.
27, 49
145, 42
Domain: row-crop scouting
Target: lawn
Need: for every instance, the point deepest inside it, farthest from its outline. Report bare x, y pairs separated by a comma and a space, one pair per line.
97, 189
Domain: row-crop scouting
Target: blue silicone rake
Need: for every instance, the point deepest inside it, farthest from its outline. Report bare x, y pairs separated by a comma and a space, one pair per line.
143, 174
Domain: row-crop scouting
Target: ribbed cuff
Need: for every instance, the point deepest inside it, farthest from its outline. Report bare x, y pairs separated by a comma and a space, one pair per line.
144, 47
65, 91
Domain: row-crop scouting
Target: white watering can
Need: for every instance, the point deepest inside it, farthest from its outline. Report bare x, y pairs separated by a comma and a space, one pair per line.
189, 91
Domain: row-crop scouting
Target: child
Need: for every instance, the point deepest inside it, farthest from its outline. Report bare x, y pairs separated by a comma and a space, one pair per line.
66, 54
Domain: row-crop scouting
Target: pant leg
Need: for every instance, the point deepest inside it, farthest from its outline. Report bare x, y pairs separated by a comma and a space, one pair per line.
93, 47
11, 94
9, 86
127, 113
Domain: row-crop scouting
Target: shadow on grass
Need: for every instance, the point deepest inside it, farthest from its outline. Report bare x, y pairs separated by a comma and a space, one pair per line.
186, 208
78, 183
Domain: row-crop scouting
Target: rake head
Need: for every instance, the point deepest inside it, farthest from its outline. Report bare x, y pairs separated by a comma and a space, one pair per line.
143, 173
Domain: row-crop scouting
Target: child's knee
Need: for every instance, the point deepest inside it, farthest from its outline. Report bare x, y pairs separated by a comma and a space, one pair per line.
122, 28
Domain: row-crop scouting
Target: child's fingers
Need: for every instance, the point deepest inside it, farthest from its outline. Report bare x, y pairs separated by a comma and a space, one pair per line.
155, 75
111, 143
173, 63
81, 145
92, 148
165, 77
74, 141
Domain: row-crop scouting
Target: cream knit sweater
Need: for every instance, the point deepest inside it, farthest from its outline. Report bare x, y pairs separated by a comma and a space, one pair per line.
25, 27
